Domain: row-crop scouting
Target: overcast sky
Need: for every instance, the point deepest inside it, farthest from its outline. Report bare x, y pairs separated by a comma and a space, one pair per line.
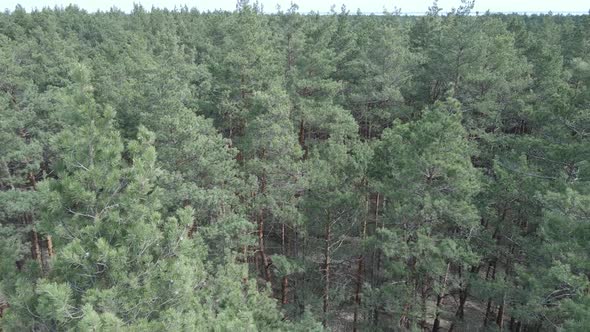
407, 6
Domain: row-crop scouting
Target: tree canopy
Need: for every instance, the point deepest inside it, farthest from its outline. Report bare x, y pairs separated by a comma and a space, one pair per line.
242, 171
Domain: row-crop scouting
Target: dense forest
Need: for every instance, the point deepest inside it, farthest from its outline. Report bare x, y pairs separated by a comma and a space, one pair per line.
177, 170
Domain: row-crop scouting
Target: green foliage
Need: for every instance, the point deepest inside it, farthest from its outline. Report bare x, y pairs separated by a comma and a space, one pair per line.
182, 170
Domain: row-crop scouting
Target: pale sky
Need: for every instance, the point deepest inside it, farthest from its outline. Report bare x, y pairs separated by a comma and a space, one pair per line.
407, 6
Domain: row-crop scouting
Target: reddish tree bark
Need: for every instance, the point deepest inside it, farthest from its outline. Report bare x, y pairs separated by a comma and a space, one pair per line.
35, 247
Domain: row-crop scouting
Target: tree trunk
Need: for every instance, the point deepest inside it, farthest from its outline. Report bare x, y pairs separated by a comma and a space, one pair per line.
462, 300
375, 275
357, 295
492, 266
460, 313
326, 295
439, 300
261, 248
423, 306
500, 317
285, 281
302, 138
463, 294
512, 324
361, 258
264, 259
502, 307
488, 312
35, 247
49, 243
284, 290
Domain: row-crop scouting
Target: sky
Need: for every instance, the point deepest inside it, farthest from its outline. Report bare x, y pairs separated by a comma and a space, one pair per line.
377, 6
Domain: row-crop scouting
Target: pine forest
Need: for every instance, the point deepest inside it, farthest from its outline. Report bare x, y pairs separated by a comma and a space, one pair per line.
181, 170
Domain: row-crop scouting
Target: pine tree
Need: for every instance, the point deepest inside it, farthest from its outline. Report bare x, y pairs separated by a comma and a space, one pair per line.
425, 173
119, 262
374, 94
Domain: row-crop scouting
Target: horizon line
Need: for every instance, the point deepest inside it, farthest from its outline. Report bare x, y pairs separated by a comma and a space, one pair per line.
395, 12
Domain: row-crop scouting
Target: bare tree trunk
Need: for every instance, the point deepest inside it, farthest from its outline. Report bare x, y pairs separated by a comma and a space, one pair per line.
462, 300
460, 310
376, 272
361, 260
191, 230
502, 307
302, 138
285, 281
512, 324
488, 312
245, 254
500, 316
423, 307
35, 247
463, 293
284, 290
439, 300
357, 295
492, 266
327, 239
263, 257
261, 248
